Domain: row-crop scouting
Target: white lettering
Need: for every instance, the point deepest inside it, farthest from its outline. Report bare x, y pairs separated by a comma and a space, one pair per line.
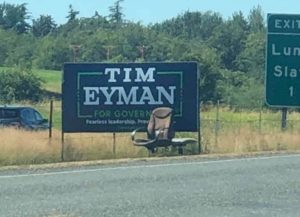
278, 71
108, 95
278, 24
127, 75
285, 71
285, 51
135, 96
274, 52
90, 98
112, 72
287, 24
147, 95
127, 99
168, 96
142, 77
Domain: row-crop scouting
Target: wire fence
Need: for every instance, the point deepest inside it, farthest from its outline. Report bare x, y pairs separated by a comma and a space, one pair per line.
222, 130
249, 129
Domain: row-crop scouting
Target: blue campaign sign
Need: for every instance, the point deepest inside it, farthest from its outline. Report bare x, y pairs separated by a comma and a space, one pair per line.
101, 97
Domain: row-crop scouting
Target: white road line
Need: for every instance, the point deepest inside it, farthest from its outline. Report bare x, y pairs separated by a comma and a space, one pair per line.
150, 166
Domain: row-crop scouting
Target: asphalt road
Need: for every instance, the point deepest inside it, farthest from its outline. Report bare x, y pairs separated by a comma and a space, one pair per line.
233, 187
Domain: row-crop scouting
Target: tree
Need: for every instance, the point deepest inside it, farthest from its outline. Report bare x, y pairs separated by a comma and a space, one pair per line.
21, 51
160, 46
52, 53
133, 38
116, 14
43, 26
94, 47
72, 14
208, 62
251, 60
191, 25
6, 44
256, 20
229, 39
239, 90
14, 17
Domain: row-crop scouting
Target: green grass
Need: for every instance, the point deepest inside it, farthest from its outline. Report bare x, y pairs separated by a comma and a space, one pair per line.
52, 79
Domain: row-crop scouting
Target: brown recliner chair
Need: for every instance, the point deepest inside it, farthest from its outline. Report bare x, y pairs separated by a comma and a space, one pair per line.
160, 132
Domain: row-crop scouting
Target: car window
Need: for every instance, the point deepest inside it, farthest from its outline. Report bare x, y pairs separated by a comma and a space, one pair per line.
8, 113
38, 116
31, 115
28, 115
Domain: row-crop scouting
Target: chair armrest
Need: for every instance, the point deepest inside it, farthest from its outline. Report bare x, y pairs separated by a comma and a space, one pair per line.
135, 131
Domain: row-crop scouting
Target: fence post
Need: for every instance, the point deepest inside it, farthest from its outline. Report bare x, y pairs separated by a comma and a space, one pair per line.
114, 144
283, 118
62, 145
200, 148
260, 120
50, 119
217, 124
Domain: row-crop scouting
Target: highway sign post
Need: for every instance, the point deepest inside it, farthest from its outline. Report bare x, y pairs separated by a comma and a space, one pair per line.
283, 61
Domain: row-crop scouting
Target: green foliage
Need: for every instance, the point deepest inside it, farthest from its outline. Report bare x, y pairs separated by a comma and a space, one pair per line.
208, 60
6, 43
116, 14
14, 17
43, 26
72, 14
17, 85
52, 52
191, 25
229, 52
229, 39
256, 20
252, 58
238, 90
23, 52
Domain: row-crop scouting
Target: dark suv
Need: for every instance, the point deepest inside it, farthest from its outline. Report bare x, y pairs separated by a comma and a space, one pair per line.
22, 117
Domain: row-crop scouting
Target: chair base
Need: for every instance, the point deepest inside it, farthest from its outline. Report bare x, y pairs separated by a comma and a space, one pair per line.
153, 145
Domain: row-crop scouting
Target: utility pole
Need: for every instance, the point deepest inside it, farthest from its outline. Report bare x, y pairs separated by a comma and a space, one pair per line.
108, 49
142, 50
75, 49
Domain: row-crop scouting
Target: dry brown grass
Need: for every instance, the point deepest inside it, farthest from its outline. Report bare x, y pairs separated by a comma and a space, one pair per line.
246, 140
93, 146
24, 147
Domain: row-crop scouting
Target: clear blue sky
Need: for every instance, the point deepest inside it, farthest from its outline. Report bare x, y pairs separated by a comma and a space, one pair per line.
152, 11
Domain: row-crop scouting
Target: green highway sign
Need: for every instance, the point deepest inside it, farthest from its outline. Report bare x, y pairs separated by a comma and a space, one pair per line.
283, 61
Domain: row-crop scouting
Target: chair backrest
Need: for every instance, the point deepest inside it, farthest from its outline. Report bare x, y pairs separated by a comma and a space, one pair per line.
160, 124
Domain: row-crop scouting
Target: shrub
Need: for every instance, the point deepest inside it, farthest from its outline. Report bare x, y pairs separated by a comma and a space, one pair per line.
18, 84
